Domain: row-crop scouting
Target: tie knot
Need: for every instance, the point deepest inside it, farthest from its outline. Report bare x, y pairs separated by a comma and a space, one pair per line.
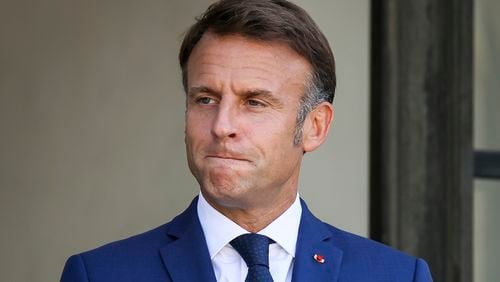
253, 248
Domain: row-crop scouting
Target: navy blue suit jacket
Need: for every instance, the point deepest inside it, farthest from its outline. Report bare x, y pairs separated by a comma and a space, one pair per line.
177, 252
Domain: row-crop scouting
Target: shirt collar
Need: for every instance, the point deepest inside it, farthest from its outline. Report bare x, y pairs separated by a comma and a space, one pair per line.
220, 230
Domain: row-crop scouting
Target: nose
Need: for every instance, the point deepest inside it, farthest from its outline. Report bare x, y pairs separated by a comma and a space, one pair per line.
225, 123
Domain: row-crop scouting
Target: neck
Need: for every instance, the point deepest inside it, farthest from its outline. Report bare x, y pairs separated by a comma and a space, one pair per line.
254, 219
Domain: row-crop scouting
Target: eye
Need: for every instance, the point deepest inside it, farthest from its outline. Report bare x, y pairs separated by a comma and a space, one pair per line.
205, 100
255, 103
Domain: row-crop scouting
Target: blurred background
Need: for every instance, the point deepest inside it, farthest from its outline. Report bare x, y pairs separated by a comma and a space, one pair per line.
92, 127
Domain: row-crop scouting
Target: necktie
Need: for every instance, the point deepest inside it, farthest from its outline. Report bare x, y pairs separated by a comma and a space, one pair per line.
254, 249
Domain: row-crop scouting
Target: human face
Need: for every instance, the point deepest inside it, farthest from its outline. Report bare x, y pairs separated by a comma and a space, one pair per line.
241, 109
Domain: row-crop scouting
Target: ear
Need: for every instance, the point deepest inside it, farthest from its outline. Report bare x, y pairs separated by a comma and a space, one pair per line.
317, 126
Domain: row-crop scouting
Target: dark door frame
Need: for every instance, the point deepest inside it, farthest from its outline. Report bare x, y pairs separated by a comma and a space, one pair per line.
421, 154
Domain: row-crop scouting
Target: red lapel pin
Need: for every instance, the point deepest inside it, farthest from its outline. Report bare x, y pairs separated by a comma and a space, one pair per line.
319, 258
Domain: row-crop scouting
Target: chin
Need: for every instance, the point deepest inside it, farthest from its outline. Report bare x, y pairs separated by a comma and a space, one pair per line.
222, 188
224, 193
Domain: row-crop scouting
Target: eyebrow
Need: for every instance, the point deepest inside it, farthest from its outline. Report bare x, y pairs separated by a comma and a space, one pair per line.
197, 89
252, 93
265, 94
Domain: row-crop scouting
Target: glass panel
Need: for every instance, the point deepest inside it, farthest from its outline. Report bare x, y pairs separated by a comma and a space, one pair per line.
486, 230
487, 75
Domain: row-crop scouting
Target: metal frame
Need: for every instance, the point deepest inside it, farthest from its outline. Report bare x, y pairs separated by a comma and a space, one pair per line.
487, 164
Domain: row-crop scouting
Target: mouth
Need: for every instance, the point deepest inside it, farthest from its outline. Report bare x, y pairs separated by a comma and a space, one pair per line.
227, 158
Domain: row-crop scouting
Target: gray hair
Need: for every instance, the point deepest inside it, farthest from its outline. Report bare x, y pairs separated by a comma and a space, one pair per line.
312, 97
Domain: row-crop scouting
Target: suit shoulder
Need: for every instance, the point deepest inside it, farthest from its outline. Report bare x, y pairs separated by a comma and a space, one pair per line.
149, 240
123, 258
136, 258
383, 262
356, 243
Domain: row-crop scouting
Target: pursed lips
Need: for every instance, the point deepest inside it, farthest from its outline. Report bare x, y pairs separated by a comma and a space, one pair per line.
227, 157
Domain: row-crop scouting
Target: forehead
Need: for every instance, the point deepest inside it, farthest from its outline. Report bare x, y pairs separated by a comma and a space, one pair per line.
238, 58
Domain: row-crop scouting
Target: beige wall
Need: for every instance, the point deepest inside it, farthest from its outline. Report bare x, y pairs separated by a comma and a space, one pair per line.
91, 125
487, 136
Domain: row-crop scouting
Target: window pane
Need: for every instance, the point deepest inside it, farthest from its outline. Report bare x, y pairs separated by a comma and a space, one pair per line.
487, 75
486, 230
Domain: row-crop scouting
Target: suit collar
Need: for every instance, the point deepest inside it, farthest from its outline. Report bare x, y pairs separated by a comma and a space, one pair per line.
315, 239
186, 258
219, 230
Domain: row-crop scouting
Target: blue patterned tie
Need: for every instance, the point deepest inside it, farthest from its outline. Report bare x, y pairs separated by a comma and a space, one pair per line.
254, 249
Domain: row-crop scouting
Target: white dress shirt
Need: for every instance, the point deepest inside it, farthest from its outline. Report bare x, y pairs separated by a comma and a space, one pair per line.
228, 264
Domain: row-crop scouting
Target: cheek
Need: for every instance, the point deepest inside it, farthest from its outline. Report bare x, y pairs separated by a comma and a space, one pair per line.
275, 139
197, 124
193, 135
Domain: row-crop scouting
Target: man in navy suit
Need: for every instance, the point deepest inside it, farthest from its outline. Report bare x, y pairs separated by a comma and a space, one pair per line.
259, 78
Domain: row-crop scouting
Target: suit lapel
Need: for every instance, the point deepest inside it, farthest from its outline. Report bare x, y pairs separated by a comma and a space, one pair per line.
315, 239
186, 257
